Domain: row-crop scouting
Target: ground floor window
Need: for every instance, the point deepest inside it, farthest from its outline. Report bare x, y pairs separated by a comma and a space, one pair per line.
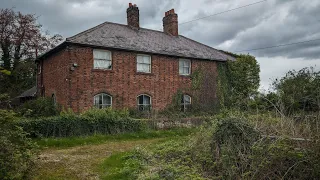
144, 102
102, 100
185, 102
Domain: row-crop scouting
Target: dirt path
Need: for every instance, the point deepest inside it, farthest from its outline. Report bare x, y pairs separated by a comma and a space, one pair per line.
81, 162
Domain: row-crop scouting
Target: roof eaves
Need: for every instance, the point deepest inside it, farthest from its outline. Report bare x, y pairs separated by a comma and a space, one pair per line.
51, 51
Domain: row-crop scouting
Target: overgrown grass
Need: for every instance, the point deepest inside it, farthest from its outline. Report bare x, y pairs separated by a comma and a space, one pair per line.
229, 148
110, 167
98, 139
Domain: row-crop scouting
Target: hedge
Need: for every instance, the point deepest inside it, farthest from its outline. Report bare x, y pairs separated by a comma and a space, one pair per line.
91, 122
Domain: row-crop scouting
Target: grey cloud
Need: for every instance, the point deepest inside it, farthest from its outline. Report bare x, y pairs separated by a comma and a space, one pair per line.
292, 22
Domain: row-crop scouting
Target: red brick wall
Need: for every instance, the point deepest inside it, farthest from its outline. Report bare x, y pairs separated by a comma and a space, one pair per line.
123, 83
55, 75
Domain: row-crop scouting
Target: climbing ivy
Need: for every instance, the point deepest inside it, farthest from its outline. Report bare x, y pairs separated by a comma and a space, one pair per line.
223, 84
235, 82
238, 81
197, 78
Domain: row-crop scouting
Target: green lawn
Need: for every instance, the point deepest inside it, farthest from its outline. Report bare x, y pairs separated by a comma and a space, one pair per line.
87, 157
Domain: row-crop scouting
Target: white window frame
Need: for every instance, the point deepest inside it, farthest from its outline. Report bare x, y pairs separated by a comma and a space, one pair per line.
144, 105
183, 66
150, 64
102, 105
184, 104
100, 50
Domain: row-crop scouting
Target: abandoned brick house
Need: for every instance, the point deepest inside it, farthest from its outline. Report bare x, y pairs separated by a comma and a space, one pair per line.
126, 66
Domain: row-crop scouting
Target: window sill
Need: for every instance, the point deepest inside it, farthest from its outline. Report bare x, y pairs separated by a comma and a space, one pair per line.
144, 73
102, 70
185, 76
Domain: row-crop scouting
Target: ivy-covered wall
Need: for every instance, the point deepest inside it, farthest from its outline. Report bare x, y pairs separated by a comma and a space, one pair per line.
224, 85
203, 88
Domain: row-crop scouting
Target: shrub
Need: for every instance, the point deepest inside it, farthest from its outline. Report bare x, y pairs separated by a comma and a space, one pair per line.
16, 149
93, 121
40, 107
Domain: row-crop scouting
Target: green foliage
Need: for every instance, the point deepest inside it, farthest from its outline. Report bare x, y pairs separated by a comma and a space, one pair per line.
16, 151
227, 148
99, 138
299, 91
140, 114
4, 101
40, 107
93, 121
143, 164
223, 85
122, 166
21, 78
4, 71
245, 76
238, 81
281, 160
197, 79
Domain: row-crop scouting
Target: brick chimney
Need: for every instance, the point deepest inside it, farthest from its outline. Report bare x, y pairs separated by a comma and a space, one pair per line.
133, 15
170, 23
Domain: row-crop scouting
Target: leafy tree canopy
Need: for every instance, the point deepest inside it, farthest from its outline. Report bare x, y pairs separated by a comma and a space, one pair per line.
21, 39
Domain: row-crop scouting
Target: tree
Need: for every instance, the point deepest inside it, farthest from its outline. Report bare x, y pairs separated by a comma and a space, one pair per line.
238, 81
21, 39
245, 76
299, 90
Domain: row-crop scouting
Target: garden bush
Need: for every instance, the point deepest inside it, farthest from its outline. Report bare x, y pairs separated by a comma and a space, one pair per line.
16, 150
93, 121
40, 107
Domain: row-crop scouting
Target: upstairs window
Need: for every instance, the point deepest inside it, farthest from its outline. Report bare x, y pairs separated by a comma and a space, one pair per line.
143, 63
184, 67
185, 102
102, 100
144, 102
102, 59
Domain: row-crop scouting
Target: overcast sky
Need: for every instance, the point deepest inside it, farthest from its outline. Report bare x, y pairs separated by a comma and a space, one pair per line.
269, 23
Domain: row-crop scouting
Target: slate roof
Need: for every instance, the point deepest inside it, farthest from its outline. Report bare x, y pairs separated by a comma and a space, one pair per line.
29, 93
119, 36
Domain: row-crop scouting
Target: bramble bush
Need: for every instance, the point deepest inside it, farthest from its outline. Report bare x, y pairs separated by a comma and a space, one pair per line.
93, 121
16, 150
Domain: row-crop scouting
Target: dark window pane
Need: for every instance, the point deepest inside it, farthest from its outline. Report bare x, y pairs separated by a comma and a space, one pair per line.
140, 99
146, 100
